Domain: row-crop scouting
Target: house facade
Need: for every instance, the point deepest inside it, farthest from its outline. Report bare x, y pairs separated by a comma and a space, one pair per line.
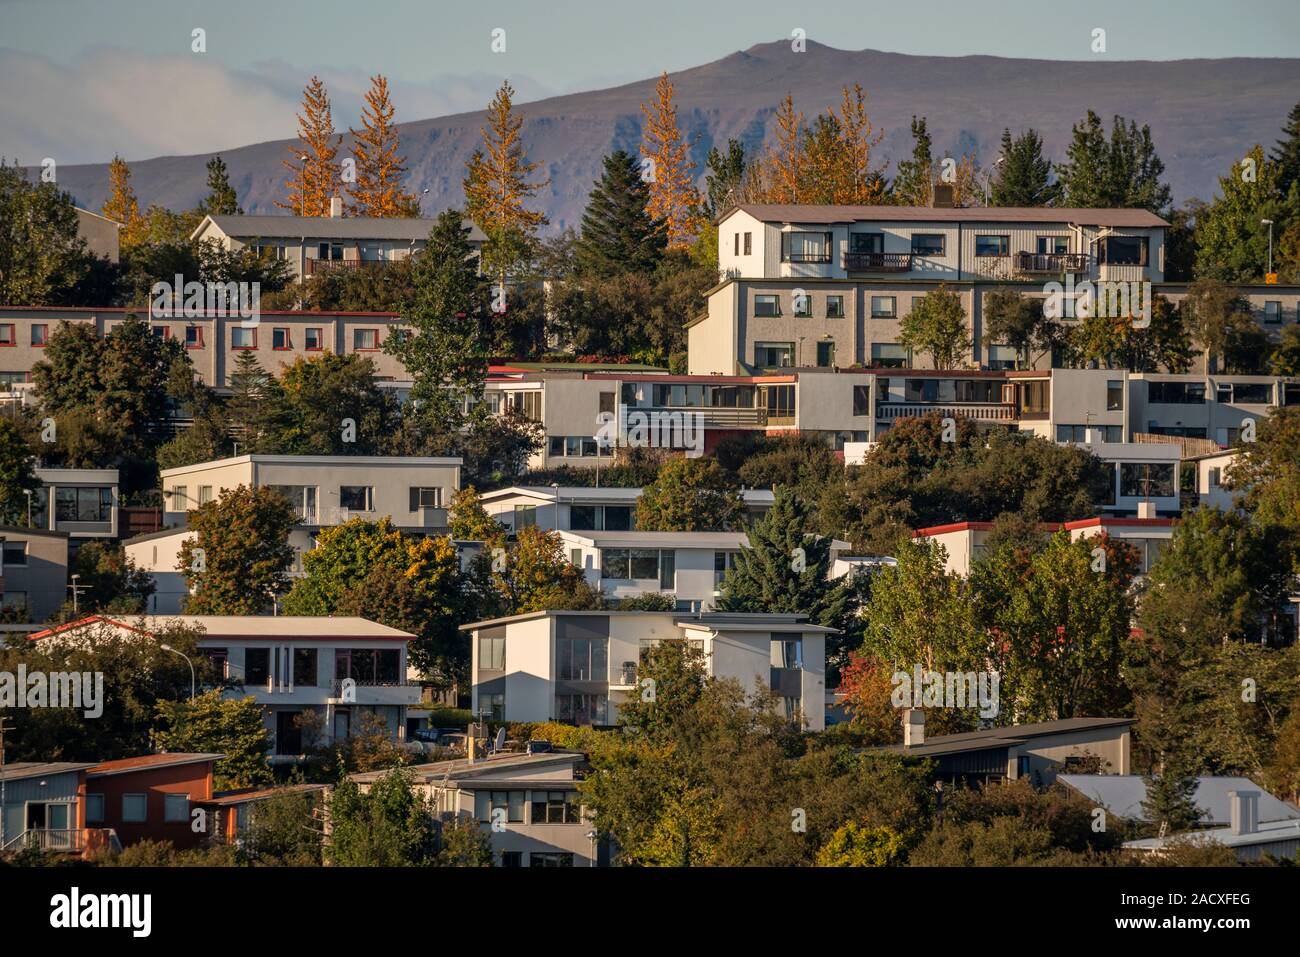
33, 574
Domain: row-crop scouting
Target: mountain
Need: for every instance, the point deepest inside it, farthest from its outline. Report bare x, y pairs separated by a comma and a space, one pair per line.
1204, 115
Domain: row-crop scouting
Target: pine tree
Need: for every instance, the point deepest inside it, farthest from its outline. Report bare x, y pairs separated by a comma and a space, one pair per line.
1024, 175
255, 408
1168, 802
857, 182
673, 197
377, 190
725, 179
1123, 172
1286, 154
618, 234
914, 182
314, 171
122, 205
1083, 175
222, 200
497, 185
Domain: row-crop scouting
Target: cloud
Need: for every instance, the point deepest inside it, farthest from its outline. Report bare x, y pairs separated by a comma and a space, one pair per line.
110, 102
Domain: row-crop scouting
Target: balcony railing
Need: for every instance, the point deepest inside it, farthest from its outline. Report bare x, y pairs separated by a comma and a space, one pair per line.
713, 417
626, 676
325, 265
63, 840
878, 262
985, 411
1057, 263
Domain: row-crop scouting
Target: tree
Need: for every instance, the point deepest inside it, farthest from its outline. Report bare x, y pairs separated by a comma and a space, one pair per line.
1214, 311
673, 198
690, 495
1169, 800
468, 520
122, 205
855, 845
333, 406
914, 182
390, 825
725, 178
212, 723
313, 171
618, 234
1024, 177
462, 842
675, 672
18, 481
1232, 245
497, 185
222, 200
1013, 319
1286, 154
1268, 473
43, 259
538, 576
256, 406
378, 187
239, 557
283, 831
110, 581
1124, 172
784, 162
1285, 359
937, 325
441, 351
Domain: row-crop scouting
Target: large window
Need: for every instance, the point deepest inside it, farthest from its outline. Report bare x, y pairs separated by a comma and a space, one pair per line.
632, 563
992, 246
834, 307
241, 338
1273, 311
176, 808
927, 244
1176, 393
1122, 251
1053, 245
1247, 393
789, 650
862, 400
778, 400
884, 307
486, 803
426, 497
774, 355
528, 403
551, 858
83, 504
600, 518
281, 338
492, 653
825, 355
257, 666
866, 242
365, 340
767, 306
556, 807
304, 667
582, 709
1115, 395
1146, 479
582, 659
302, 498
357, 498
1002, 357
889, 355
806, 247
135, 808
312, 339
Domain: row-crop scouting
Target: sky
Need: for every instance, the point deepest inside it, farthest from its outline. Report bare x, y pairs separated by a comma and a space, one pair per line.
83, 80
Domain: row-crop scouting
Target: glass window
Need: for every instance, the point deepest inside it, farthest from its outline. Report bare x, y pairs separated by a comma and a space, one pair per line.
806, 247
749, 243
927, 244
615, 563
644, 563
205, 494
85, 504
525, 516
94, 808
1114, 396
825, 355
135, 808
790, 649
425, 497
313, 339
1273, 311
1252, 393
257, 666
774, 355
356, 498
582, 659
241, 338
617, 518
992, 245
194, 337
834, 307
802, 304
1122, 250
365, 340
1002, 357
280, 338
493, 706
176, 808
492, 653
1176, 393
582, 709
767, 305
1146, 479
13, 554
1053, 245
488, 802
668, 570
40, 335
862, 400
556, 807
512, 859
884, 307
304, 667
889, 355
866, 242
7, 336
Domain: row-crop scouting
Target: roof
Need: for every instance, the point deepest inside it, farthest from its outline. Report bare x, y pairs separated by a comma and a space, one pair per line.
150, 762
219, 627
330, 227
1123, 794
461, 768
1269, 832
323, 460
620, 495
135, 310
708, 619
21, 770
244, 795
18, 530
792, 213
993, 738
1108, 521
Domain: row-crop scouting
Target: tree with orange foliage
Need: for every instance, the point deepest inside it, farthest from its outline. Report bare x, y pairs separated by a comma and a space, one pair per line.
122, 205
377, 190
785, 161
867, 685
315, 174
673, 196
497, 184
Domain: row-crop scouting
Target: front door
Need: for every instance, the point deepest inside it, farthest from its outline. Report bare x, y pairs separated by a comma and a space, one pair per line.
288, 735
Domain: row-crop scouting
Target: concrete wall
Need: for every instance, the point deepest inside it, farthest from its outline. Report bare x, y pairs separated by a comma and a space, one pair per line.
1047, 754
43, 580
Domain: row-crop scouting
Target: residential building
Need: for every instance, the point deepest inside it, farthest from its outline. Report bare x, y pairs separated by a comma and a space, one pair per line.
314, 244
318, 680
528, 805
83, 503
33, 574
43, 808
100, 234
1122, 795
230, 813
1038, 751
577, 667
1213, 470
580, 508
1249, 837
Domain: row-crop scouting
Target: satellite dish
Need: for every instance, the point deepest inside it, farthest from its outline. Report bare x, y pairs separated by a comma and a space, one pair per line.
499, 742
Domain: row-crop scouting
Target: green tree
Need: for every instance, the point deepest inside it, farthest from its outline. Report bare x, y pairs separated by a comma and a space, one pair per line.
256, 408
1231, 242
690, 495
538, 576
618, 234
1168, 800
1013, 319
239, 557
390, 825
937, 325
1024, 177
462, 842
1285, 359
855, 845
1214, 312
221, 199
212, 723
18, 479
110, 581
913, 183
283, 830
469, 520
1286, 154
333, 406
1123, 172
1268, 475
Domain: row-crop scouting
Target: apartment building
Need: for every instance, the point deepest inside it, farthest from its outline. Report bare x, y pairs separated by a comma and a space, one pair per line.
313, 245
576, 667
83, 503
579, 508
33, 576
318, 679
528, 805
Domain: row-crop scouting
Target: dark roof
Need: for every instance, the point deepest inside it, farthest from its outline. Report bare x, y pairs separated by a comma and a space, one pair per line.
827, 215
244, 795
328, 227
149, 762
20, 770
994, 738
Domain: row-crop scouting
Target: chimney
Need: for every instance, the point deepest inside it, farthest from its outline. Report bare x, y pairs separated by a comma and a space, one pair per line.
913, 727
1244, 807
943, 196
1146, 509
336, 207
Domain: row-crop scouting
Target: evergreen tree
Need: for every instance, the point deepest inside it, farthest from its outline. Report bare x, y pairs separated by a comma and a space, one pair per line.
18, 480
1025, 175
914, 182
255, 409
1123, 172
1286, 154
378, 187
221, 199
724, 179
618, 234
213, 723
1168, 803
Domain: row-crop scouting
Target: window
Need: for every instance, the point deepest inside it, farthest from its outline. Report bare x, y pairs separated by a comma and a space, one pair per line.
862, 400
161, 332
487, 803
1252, 393
1114, 396
525, 516
426, 498
1122, 251
313, 339
825, 355
280, 338
778, 400
94, 809
180, 498
357, 498
582, 709
1176, 393
606, 403
834, 307
575, 557
1053, 245
1214, 478
365, 340
304, 667
1146, 479
84, 504
866, 242
205, 494
668, 570
790, 650
806, 247
13, 554
889, 355
257, 666
556, 807
40, 335
135, 808
927, 244
625, 564
774, 355
550, 859
767, 306
884, 307
269, 252
329, 251
512, 858
176, 808
736, 245
7, 335
193, 337
1002, 357
992, 245
1079, 433
802, 304
302, 498
492, 653
749, 243
528, 403
582, 659
1273, 311
241, 338
492, 705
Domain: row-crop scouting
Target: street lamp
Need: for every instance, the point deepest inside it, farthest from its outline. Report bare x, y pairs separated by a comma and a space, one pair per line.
28, 493
591, 836
1269, 224
76, 592
989, 176
187, 661
303, 158
555, 489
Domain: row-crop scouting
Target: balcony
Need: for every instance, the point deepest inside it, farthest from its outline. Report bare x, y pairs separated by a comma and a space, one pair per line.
980, 411
64, 840
397, 692
326, 265
712, 417
1054, 263
878, 262
624, 677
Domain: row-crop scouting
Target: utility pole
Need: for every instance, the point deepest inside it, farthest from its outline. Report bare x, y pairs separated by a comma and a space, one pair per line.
3, 729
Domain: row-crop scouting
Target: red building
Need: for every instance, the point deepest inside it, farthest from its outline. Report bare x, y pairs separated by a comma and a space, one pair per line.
150, 797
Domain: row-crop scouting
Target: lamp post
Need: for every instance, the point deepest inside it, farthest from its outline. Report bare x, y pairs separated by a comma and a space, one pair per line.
187, 661
28, 493
989, 176
76, 592
1269, 224
555, 489
303, 158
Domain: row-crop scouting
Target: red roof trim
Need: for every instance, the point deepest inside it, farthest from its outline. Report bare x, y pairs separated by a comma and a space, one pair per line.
144, 313
1103, 521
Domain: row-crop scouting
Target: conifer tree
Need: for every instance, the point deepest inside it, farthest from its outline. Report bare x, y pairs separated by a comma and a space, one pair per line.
255, 407
1123, 172
725, 180
377, 190
673, 197
1286, 154
618, 234
313, 180
1024, 177
222, 199
122, 205
915, 180
497, 184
